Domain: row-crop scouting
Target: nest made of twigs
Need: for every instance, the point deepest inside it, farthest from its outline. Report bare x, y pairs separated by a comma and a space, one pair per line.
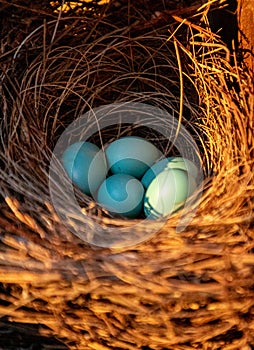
192, 289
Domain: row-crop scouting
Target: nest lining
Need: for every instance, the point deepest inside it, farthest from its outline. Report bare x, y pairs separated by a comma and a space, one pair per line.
175, 291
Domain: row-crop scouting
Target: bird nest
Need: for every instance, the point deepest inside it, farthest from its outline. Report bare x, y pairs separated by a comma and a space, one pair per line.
172, 289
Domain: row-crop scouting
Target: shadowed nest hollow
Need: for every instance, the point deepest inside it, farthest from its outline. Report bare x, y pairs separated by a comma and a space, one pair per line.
177, 290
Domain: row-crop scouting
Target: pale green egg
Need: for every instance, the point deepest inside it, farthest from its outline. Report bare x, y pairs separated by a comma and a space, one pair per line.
169, 163
167, 192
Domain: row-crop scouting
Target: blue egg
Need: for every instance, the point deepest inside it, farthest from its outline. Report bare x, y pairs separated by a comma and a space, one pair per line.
86, 166
169, 163
167, 193
131, 155
122, 195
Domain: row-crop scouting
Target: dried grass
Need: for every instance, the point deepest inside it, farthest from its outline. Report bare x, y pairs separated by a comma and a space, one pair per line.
188, 290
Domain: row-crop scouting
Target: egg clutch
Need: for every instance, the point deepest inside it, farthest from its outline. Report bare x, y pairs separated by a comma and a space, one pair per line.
131, 178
